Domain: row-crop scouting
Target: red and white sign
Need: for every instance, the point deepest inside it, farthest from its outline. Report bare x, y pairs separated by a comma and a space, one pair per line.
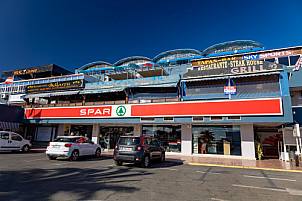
191, 108
9, 80
229, 89
275, 54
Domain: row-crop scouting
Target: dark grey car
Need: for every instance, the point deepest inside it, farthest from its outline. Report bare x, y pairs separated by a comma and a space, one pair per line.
138, 150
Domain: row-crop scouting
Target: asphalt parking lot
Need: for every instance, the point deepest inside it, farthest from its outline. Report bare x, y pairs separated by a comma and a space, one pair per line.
31, 176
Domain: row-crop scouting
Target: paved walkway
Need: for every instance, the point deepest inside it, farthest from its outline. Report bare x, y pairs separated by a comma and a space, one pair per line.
206, 160
267, 164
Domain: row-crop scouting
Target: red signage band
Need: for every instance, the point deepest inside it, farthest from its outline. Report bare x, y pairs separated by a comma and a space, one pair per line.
211, 108
68, 112
249, 107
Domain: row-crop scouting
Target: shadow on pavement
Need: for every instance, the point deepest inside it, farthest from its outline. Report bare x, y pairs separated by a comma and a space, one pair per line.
66, 183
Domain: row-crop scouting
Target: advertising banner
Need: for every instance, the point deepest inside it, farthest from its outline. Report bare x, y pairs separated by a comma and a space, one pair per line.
195, 108
55, 86
232, 67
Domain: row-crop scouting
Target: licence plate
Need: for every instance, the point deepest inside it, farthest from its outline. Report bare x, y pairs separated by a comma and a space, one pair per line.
56, 146
126, 149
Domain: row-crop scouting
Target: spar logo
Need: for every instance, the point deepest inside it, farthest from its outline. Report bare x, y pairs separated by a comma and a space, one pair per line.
120, 111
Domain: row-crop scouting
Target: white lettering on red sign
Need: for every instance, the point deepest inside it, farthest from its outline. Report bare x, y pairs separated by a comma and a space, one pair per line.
95, 112
275, 54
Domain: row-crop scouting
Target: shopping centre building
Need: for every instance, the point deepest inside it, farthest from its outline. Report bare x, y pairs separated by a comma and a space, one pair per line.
218, 102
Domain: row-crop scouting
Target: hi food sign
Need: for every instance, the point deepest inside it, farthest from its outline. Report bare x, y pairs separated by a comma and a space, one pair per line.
232, 67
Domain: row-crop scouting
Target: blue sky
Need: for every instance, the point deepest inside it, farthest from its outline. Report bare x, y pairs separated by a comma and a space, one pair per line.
72, 33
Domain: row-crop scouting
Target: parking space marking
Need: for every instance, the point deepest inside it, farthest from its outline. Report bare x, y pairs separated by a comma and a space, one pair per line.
286, 190
61, 163
34, 160
244, 167
256, 177
218, 199
208, 172
168, 169
53, 177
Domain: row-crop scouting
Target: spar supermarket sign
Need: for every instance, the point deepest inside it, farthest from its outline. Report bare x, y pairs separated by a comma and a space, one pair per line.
246, 107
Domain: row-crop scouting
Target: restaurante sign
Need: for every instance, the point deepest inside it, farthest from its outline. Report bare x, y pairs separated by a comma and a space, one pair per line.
232, 67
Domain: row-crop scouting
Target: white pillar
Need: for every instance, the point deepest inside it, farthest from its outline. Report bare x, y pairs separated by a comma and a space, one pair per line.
186, 139
137, 130
95, 133
61, 128
247, 141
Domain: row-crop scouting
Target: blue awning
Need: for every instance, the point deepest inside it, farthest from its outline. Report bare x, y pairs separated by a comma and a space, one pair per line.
232, 76
99, 91
61, 93
9, 125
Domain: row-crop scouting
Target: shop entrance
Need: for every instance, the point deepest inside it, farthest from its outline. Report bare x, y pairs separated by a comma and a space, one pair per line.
81, 130
110, 135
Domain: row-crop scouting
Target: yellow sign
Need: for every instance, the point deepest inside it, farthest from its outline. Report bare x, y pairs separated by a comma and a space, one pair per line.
210, 61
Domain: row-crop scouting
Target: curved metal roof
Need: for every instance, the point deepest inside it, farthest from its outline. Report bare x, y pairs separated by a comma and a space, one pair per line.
229, 44
177, 51
94, 64
120, 62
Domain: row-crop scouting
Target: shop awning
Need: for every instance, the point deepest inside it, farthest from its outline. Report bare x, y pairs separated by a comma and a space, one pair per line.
9, 125
233, 76
41, 95
99, 91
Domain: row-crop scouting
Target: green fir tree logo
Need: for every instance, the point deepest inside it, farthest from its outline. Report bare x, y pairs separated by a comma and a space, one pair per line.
120, 111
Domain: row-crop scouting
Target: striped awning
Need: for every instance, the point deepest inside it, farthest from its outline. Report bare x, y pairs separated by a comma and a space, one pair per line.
9, 125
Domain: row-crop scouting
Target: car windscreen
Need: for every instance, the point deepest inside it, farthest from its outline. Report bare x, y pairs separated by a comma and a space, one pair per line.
64, 139
129, 141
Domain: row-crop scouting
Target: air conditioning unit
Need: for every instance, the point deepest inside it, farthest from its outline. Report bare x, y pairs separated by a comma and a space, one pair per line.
4, 96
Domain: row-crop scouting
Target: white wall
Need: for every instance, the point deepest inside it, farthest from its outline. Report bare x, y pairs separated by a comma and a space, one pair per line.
186, 139
61, 129
247, 141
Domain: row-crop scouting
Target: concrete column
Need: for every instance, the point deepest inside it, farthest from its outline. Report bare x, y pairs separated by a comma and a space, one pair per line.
247, 141
96, 133
137, 130
61, 128
186, 139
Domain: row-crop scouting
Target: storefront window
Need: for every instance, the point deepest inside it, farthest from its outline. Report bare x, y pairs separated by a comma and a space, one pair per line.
224, 140
169, 136
110, 135
81, 130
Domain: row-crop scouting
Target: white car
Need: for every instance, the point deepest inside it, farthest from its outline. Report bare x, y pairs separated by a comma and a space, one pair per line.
10, 141
72, 147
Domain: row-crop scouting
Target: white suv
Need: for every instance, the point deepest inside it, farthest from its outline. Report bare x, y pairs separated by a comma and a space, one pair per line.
10, 141
72, 147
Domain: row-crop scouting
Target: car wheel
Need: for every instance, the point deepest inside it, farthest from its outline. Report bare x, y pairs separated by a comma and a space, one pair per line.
98, 153
162, 157
52, 157
25, 148
145, 162
118, 163
74, 156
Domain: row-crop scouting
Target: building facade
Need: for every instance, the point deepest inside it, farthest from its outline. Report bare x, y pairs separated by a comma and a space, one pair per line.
219, 102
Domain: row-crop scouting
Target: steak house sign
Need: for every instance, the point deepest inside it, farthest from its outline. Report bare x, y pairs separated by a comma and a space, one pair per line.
232, 67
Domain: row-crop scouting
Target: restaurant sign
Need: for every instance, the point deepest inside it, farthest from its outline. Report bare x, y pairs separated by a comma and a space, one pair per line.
55, 86
232, 68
